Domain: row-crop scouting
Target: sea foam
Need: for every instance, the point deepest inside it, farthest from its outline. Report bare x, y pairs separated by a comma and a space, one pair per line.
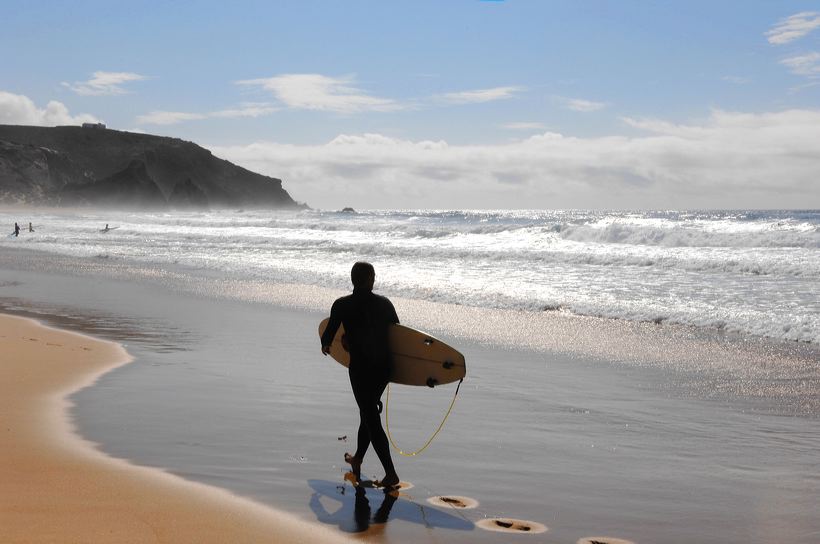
752, 272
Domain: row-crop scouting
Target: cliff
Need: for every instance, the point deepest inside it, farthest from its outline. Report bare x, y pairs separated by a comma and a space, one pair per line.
61, 166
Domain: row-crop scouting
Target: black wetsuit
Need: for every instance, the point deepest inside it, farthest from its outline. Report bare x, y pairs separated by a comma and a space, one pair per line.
366, 317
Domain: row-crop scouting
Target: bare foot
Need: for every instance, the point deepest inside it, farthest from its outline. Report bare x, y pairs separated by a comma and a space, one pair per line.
355, 465
390, 481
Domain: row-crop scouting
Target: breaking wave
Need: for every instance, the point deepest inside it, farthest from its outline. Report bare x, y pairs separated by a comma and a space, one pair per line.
754, 272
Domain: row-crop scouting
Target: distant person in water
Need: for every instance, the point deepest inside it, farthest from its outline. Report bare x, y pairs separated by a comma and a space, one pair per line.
366, 317
16, 229
106, 229
30, 228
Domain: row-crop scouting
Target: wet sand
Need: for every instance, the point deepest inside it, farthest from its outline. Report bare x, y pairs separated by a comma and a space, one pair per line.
56, 487
638, 432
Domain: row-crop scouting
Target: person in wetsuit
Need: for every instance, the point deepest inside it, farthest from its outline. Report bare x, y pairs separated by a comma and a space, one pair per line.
366, 317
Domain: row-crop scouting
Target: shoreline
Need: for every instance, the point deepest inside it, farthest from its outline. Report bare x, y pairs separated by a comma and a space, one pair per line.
706, 364
577, 268
608, 421
57, 486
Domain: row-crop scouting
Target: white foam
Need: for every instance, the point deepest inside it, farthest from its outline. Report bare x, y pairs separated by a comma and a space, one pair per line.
751, 272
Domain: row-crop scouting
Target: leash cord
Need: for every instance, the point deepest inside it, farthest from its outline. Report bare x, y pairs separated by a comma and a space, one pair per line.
429, 440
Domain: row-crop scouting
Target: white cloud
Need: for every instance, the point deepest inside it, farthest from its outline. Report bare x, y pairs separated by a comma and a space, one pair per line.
799, 88
322, 93
174, 117
794, 27
524, 125
103, 83
246, 110
737, 80
168, 117
659, 126
480, 95
17, 109
579, 104
729, 160
804, 65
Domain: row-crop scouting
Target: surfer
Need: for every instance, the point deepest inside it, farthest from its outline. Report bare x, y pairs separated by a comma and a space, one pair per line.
16, 229
30, 228
366, 317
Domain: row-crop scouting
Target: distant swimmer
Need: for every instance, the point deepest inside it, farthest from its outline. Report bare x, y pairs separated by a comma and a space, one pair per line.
16, 229
366, 317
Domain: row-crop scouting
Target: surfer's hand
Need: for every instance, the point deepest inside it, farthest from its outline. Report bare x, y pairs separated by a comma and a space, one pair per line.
325, 350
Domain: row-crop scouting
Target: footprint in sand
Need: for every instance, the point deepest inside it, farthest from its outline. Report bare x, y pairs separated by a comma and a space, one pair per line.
453, 501
510, 525
603, 540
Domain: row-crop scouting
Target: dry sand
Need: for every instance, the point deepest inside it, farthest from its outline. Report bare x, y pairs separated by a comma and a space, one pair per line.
56, 487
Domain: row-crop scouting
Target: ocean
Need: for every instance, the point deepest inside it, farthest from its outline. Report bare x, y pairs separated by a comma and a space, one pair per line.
750, 272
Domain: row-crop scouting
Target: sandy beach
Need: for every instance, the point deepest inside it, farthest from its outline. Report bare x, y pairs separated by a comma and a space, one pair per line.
58, 488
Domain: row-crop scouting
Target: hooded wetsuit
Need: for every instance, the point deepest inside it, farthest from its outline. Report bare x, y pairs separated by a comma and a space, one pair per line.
366, 317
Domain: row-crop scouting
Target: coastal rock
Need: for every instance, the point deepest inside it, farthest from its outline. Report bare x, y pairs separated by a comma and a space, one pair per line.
31, 174
67, 165
132, 185
187, 194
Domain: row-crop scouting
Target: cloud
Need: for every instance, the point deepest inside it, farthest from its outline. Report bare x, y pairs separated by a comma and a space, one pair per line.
799, 88
480, 95
17, 109
659, 126
794, 27
737, 80
104, 83
524, 125
804, 65
585, 106
168, 117
340, 95
730, 160
322, 93
253, 110
174, 117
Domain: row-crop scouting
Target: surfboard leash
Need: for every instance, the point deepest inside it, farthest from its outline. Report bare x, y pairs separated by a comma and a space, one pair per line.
429, 440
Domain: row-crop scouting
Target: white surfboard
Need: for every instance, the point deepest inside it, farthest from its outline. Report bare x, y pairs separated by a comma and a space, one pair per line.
418, 358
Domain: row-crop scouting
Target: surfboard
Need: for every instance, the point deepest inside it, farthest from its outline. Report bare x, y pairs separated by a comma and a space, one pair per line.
418, 358
108, 229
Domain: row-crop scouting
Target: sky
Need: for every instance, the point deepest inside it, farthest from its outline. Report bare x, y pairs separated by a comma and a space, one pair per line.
448, 104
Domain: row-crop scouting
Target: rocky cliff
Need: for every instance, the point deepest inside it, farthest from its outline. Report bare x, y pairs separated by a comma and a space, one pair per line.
62, 166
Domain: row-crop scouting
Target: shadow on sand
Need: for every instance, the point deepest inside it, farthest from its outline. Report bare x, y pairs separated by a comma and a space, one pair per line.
354, 513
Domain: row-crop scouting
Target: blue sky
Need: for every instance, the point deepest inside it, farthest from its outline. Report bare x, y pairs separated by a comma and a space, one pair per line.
482, 104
